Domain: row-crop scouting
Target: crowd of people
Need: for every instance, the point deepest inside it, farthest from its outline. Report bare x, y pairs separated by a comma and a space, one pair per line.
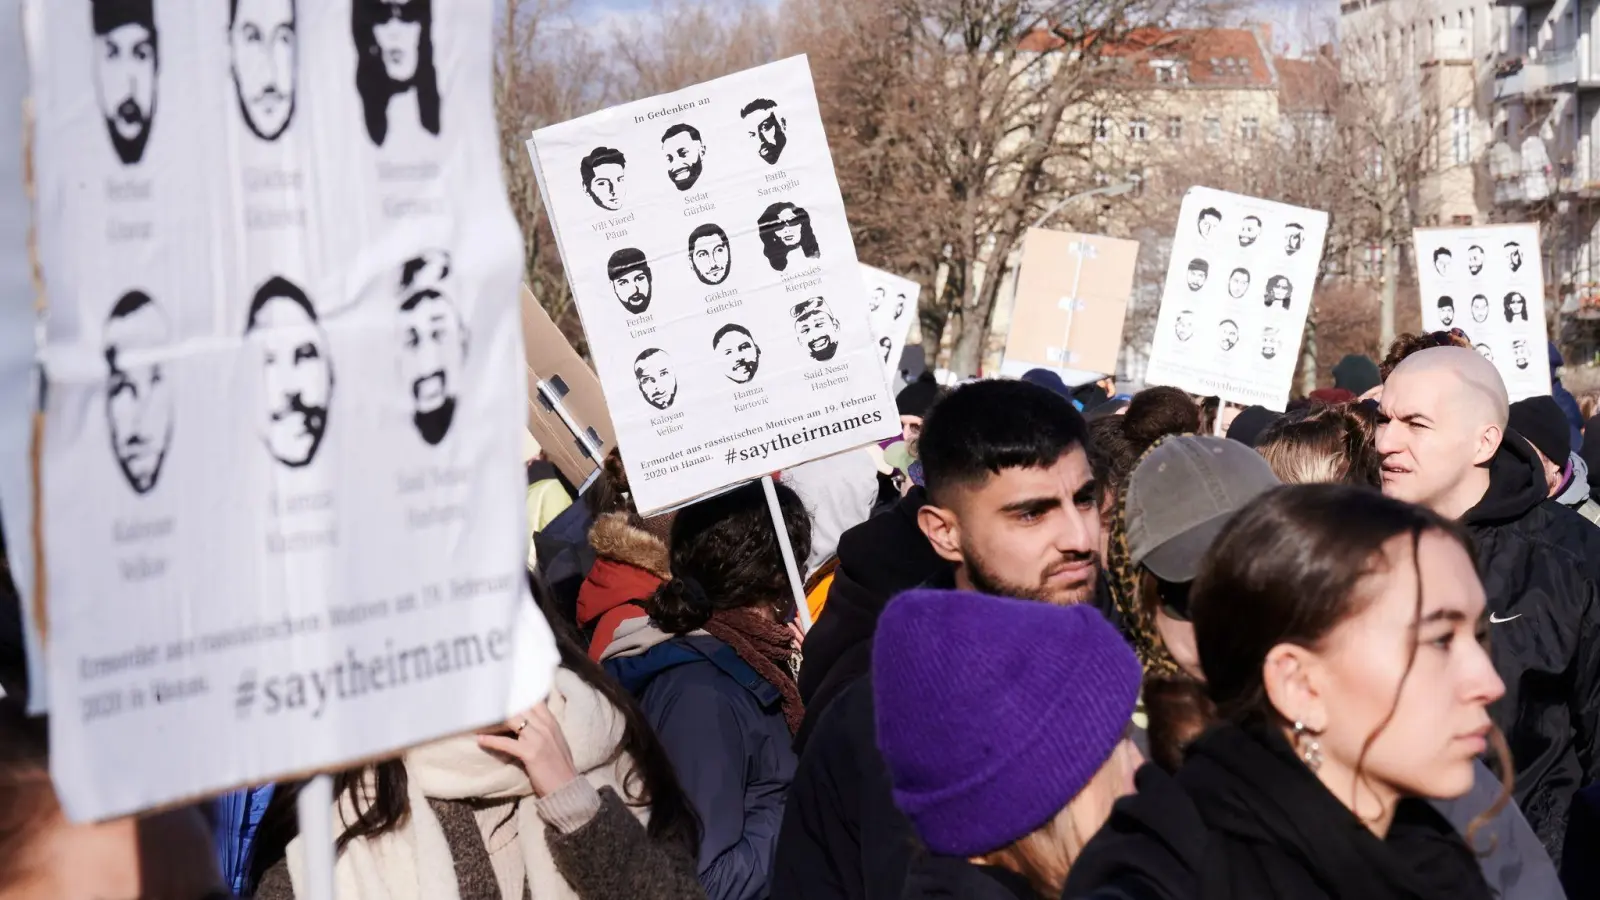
1066, 643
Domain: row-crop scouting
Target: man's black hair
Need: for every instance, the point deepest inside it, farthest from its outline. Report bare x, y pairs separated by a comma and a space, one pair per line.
1228, 322
729, 328
1200, 264
755, 106
128, 304
1211, 211
648, 352
1513, 244
277, 287
982, 428
600, 156
1255, 219
109, 15
626, 260
1295, 225
1446, 301
709, 229
682, 128
1442, 251
1237, 271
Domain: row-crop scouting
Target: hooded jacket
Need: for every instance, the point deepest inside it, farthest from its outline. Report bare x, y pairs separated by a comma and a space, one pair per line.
722, 727
1245, 819
1540, 564
1575, 494
630, 563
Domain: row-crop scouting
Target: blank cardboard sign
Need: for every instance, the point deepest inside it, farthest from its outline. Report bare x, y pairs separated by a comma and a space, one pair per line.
554, 368
1072, 296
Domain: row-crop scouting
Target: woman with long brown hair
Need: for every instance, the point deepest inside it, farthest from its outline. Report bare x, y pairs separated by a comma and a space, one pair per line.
1339, 633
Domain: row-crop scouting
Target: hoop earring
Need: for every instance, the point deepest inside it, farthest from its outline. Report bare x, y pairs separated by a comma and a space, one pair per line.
1306, 744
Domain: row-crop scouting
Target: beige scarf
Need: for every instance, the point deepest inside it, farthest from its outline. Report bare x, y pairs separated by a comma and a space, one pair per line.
413, 862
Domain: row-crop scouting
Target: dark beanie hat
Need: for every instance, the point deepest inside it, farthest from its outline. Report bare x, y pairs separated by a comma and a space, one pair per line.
1541, 421
1249, 423
1356, 374
1047, 379
994, 713
918, 396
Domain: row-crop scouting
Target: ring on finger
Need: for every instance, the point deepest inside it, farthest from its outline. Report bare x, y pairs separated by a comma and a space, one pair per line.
521, 725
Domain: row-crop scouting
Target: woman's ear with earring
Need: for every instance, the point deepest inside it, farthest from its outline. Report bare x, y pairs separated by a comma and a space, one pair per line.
1306, 744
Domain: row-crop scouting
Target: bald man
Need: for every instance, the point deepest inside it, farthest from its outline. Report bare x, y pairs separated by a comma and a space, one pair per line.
1446, 446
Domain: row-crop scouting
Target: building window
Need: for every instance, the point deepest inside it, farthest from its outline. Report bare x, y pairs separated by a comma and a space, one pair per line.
1102, 128
1166, 70
1175, 128
1136, 177
1139, 130
1372, 262
1460, 220
1461, 135
1213, 129
1250, 129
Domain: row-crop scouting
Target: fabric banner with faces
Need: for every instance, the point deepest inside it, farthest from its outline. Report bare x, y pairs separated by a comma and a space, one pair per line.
282, 500
1072, 297
1488, 282
892, 304
705, 240
1238, 288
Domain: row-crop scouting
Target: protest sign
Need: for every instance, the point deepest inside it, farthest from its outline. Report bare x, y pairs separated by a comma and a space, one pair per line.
19, 384
705, 240
1239, 285
1488, 281
282, 504
1072, 295
892, 304
566, 409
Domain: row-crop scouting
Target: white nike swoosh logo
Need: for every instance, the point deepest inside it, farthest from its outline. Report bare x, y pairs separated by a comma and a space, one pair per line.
1497, 620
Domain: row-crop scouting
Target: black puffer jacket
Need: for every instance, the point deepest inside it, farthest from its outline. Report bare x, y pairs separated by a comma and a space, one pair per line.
1244, 819
1540, 564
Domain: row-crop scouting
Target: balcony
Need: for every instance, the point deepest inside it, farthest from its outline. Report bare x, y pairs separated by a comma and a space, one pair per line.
1519, 78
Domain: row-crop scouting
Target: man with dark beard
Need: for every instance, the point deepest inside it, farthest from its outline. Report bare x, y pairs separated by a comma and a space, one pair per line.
738, 351
433, 343
767, 128
685, 154
629, 272
1010, 508
125, 66
297, 372
815, 328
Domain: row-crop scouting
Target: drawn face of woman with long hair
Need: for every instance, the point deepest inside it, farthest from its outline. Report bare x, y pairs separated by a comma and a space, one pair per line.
790, 229
399, 38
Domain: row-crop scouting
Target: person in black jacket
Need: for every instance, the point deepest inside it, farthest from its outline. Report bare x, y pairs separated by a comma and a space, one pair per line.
1338, 630
1446, 446
1010, 509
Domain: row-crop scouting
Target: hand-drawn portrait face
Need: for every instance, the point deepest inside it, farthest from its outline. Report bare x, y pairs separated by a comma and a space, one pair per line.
1184, 326
1196, 273
816, 328
785, 229
1447, 311
899, 306
1210, 218
1519, 353
876, 300
1480, 308
1442, 260
887, 346
394, 63
657, 382
1474, 259
1279, 291
1294, 237
1484, 351
1227, 334
125, 65
738, 353
138, 397
1516, 307
1249, 231
433, 344
603, 172
1269, 343
767, 128
1238, 283
708, 254
685, 154
264, 45
297, 373
1514, 256
630, 279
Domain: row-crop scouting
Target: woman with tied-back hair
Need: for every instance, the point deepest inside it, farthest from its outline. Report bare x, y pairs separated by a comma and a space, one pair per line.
1325, 445
1339, 633
574, 799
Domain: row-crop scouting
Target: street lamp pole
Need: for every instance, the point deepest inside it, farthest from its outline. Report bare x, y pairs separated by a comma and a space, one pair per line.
1110, 190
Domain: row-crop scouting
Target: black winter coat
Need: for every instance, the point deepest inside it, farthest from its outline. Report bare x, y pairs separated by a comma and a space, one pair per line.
1540, 564
1244, 819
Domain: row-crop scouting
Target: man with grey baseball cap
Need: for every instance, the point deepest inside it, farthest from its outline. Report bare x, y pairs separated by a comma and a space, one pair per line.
1179, 497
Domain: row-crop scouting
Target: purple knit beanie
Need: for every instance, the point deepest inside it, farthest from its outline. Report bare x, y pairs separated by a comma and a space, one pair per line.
994, 713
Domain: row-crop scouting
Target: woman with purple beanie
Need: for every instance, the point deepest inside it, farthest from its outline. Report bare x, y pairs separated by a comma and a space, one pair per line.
1004, 724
